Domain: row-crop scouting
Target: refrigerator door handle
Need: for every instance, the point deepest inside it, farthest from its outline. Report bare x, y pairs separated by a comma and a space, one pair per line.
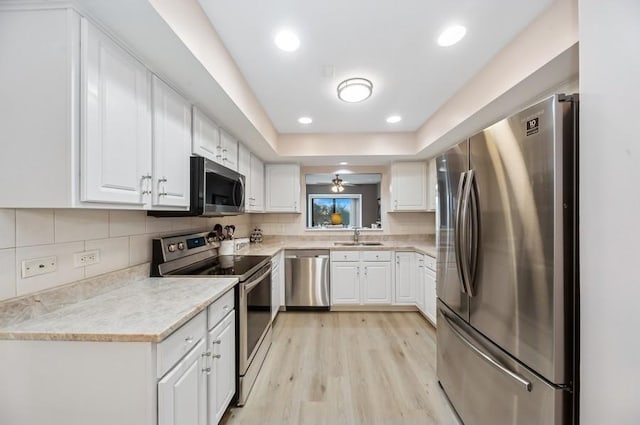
464, 233
493, 362
474, 232
457, 232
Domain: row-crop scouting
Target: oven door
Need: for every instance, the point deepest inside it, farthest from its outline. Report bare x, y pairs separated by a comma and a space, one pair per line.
255, 314
222, 190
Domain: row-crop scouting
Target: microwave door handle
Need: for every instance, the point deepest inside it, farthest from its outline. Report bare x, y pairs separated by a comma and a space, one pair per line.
233, 196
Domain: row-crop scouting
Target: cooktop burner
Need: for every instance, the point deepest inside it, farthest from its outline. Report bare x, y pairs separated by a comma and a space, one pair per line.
224, 265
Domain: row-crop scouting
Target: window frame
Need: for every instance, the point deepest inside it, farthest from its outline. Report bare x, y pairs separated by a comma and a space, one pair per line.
312, 196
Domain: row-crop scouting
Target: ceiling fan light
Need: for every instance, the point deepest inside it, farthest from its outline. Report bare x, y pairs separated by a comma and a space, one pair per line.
354, 90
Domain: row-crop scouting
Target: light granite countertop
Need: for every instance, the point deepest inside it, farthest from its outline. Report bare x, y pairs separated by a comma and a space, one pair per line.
147, 310
272, 248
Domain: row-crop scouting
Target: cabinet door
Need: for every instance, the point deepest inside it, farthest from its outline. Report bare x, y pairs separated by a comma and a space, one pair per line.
171, 146
432, 185
256, 196
345, 282
377, 283
206, 137
115, 145
405, 278
229, 147
222, 378
282, 188
420, 282
430, 295
409, 186
182, 391
275, 291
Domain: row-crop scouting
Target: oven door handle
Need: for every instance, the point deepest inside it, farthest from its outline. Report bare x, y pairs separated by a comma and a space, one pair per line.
254, 282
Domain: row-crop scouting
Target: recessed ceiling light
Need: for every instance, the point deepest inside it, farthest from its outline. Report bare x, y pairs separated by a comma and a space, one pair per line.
344, 163
287, 40
305, 120
394, 119
451, 35
355, 90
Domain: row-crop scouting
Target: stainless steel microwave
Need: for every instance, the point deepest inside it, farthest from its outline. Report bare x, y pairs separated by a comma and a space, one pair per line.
215, 191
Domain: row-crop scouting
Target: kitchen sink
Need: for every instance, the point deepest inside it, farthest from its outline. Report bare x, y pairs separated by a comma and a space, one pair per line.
357, 243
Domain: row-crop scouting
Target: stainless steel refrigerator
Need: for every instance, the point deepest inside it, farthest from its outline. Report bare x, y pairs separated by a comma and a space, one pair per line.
507, 275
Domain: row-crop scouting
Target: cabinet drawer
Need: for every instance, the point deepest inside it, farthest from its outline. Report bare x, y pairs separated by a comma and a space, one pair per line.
376, 255
345, 255
220, 308
176, 345
430, 262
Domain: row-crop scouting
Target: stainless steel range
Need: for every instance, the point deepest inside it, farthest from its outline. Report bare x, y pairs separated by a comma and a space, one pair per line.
196, 255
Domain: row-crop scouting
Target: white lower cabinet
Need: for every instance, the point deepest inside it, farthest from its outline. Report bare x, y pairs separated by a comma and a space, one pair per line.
405, 278
221, 378
430, 289
361, 278
182, 391
420, 282
345, 282
277, 274
376, 286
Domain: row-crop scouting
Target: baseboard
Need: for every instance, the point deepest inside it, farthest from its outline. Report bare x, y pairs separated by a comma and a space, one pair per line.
382, 307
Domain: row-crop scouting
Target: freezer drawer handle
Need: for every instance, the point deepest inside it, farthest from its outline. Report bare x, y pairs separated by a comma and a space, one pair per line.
488, 358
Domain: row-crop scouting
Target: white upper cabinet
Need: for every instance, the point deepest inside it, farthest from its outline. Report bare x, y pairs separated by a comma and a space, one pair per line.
229, 150
206, 137
282, 183
254, 198
212, 142
432, 185
115, 143
409, 186
252, 168
171, 146
97, 132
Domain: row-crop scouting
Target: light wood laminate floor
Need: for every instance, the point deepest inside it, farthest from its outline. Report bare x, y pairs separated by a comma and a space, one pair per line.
347, 368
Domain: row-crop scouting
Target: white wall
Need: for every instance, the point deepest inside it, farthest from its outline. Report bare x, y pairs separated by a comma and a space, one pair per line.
610, 211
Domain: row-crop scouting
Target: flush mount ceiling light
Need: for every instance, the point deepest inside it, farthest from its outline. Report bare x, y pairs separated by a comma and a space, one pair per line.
451, 35
287, 40
394, 119
355, 90
337, 184
305, 120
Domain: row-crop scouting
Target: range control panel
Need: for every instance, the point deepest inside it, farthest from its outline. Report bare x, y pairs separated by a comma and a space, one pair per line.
174, 247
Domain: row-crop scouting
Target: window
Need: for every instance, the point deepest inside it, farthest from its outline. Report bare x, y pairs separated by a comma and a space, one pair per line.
321, 208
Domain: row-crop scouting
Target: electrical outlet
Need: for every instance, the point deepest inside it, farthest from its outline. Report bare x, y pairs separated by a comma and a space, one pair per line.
86, 258
38, 266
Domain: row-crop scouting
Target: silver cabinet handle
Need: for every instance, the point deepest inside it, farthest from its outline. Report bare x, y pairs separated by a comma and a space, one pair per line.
487, 358
207, 370
146, 184
217, 356
162, 182
365, 270
217, 341
358, 269
188, 340
207, 354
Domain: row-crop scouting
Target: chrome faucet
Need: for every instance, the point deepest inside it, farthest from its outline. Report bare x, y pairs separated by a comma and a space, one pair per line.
356, 235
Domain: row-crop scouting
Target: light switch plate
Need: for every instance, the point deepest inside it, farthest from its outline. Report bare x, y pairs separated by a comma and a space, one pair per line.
38, 266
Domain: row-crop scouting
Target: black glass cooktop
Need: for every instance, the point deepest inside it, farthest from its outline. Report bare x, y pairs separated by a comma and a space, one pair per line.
240, 266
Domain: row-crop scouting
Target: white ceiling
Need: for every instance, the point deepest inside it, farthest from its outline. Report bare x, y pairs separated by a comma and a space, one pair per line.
391, 43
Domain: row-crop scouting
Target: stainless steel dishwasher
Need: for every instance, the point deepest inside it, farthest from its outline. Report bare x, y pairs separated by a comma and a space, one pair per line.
307, 279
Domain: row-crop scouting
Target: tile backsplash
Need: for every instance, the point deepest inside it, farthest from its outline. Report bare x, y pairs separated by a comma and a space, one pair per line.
122, 237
